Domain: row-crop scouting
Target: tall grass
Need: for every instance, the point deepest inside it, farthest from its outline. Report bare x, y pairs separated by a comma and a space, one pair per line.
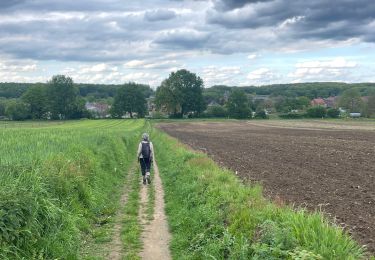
212, 215
56, 180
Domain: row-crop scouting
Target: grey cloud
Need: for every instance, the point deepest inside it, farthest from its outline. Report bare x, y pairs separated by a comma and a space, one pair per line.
113, 30
183, 39
72, 5
233, 4
9, 3
73, 39
159, 15
336, 20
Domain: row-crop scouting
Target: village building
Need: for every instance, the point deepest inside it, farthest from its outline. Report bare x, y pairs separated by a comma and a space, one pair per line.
98, 110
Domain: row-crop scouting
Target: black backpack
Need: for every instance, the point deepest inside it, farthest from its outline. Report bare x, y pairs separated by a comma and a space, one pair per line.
146, 150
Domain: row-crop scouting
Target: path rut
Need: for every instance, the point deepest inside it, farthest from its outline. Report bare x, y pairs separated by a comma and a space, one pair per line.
156, 236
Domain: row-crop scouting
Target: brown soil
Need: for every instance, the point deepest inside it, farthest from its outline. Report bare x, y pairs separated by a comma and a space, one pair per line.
329, 169
156, 236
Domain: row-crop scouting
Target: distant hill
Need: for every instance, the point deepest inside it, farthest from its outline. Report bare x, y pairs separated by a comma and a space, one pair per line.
310, 90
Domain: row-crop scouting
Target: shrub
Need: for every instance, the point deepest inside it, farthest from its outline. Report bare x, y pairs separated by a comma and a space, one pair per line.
292, 115
261, 114
158, 115
317, 112
216, 111
333, 113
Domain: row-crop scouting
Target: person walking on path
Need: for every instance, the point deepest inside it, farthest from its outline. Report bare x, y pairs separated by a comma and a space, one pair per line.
145, 157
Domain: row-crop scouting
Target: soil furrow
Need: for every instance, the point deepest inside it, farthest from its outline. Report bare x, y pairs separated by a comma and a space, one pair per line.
330, 170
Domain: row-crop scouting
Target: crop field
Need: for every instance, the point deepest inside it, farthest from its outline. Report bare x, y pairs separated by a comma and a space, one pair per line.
324, 165
56, 180
72, 190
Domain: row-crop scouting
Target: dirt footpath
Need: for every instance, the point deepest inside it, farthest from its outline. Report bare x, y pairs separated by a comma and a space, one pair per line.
313, 166
156, 236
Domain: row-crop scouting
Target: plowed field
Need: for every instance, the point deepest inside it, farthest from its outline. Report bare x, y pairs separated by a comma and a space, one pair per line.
317, 165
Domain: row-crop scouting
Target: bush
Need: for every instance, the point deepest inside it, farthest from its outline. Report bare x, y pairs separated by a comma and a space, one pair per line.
261, 114
216, 111
317, 112
157, 115
17, 110
292, 115
333, 113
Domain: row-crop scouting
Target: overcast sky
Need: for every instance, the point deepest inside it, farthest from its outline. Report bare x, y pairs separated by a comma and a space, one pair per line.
231, 42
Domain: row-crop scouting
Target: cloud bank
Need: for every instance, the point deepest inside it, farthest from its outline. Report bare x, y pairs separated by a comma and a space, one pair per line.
151, 38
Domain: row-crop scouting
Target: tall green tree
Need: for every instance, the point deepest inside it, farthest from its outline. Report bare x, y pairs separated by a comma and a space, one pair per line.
36, 97
351, 100
62, 95
129, 99
17, 110
181, 93
238, 105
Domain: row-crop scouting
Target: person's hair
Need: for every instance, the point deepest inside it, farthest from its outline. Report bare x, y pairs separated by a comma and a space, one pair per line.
145, 137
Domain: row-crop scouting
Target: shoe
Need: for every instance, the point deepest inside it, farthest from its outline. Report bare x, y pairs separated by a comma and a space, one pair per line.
144, 180
148, 177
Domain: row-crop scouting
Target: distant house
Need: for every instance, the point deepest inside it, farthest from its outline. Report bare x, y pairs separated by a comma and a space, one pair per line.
151, 106
318, 102
98, 110
329, 102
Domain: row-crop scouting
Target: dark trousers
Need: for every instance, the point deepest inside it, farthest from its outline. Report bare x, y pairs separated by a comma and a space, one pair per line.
145, 165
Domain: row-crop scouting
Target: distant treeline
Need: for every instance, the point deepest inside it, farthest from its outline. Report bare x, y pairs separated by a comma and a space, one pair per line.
310, 90
90, 91
182, 94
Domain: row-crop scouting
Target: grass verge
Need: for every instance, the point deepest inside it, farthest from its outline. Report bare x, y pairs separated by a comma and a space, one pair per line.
58, 181
131, 230
212, 215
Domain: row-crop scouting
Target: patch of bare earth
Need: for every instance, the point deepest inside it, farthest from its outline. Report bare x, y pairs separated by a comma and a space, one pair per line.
156, 235
305, 165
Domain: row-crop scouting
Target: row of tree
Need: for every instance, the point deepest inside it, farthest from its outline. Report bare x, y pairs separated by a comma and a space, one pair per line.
58, 99
181, 94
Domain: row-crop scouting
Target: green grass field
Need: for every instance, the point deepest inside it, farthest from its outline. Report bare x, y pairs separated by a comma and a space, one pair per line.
59, 179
